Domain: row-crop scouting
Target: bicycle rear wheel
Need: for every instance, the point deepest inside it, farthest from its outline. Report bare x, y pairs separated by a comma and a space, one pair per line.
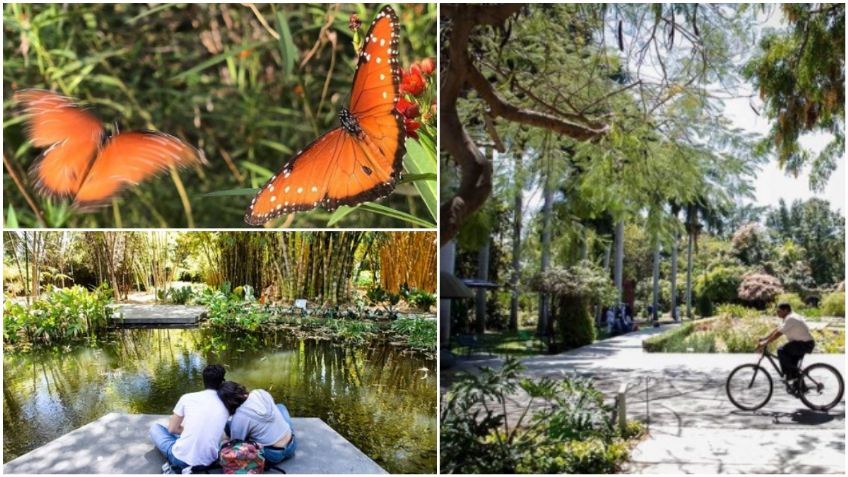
749, 387
822, 387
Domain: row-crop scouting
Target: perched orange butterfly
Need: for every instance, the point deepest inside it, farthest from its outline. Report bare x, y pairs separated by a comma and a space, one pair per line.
83, 162
362, 159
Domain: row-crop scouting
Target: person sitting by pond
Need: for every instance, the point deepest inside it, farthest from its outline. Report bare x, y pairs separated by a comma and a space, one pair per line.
800, 342
196, 426
256, 417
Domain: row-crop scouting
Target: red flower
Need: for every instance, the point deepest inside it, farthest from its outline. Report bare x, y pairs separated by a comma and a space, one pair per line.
407, 108
410, 126
412, 82
428, 65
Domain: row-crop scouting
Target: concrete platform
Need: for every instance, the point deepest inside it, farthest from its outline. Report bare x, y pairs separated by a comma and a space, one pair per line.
118, 444
154, 315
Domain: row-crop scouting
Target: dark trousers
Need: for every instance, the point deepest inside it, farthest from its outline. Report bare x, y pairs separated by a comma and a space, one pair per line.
791, 353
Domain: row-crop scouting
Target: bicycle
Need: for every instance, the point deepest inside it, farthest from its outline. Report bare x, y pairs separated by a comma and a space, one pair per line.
749, 386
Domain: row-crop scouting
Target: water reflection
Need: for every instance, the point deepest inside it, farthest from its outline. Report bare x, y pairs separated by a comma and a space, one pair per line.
380, 399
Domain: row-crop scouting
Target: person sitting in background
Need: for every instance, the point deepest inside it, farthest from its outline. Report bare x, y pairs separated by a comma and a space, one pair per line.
195, 428
800, 342
256, 417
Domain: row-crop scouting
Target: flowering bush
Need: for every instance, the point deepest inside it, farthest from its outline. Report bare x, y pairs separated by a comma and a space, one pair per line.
759, 289
584, 280
417, 103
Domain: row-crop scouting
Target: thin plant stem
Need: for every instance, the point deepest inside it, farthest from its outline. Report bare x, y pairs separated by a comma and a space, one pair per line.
178, 183
39, 214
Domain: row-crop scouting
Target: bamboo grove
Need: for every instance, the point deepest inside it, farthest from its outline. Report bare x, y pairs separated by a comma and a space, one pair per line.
323, 267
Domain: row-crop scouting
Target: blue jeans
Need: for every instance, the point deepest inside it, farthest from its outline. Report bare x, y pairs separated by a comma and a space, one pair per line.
275, 455
164, 441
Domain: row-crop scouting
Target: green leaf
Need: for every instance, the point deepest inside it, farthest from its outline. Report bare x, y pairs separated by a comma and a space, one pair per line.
220, 58
410, 178
153, 10
344, 210
232, 192
422, 160
287, 48
257, 169
276, 146
11, 218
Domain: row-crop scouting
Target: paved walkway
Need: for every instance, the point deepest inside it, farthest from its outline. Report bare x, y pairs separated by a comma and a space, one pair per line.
693, 428
130, 315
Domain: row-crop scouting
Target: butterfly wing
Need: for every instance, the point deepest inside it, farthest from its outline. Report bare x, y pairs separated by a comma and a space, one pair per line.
129, 158
70, 134
376, 89
301, 184
342, 168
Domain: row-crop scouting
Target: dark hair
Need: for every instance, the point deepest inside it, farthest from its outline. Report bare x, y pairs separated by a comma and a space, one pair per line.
233, 395
213, 376
784, 306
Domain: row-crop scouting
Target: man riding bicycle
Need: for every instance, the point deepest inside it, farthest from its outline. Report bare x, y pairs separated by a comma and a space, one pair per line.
800, 342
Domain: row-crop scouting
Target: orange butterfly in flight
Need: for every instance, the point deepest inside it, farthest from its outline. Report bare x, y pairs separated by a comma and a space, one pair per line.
82, 161
362, 158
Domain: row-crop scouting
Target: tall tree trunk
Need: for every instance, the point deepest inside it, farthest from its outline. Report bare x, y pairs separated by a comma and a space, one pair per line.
606, 263
547, 211
618, 273
483, 275
674, 313
656, 297
690, 232
447, 260
516, 246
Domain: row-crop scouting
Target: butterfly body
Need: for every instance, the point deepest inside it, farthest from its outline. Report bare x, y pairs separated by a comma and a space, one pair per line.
358, 161
82, 161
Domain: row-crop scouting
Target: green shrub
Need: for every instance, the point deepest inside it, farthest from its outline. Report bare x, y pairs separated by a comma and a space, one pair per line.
573, 324
59, 315
659, 343
736, 311
793, 299
564, 428
180, 295
353, 331
833, 304
419, 333
228, 311
719, 285
420, 299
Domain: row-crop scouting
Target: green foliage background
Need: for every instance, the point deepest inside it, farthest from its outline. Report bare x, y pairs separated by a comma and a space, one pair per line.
211, 74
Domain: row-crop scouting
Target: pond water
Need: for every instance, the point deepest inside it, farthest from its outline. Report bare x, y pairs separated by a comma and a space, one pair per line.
377, 396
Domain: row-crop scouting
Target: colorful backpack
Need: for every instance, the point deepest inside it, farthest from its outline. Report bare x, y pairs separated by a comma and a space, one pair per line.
241, 457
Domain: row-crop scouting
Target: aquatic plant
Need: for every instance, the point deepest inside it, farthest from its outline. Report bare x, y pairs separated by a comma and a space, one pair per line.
419, 333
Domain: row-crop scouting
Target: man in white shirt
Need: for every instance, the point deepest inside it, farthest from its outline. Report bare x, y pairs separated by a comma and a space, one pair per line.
800, 341
196, 426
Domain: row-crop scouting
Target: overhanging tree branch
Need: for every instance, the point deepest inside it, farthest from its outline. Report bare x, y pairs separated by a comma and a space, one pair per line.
476, 169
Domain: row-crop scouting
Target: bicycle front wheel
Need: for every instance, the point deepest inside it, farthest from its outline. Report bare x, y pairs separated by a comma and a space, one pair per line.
749, 387
821, 387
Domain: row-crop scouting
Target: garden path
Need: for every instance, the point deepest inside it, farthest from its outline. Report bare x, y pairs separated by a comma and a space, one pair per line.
693, 428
